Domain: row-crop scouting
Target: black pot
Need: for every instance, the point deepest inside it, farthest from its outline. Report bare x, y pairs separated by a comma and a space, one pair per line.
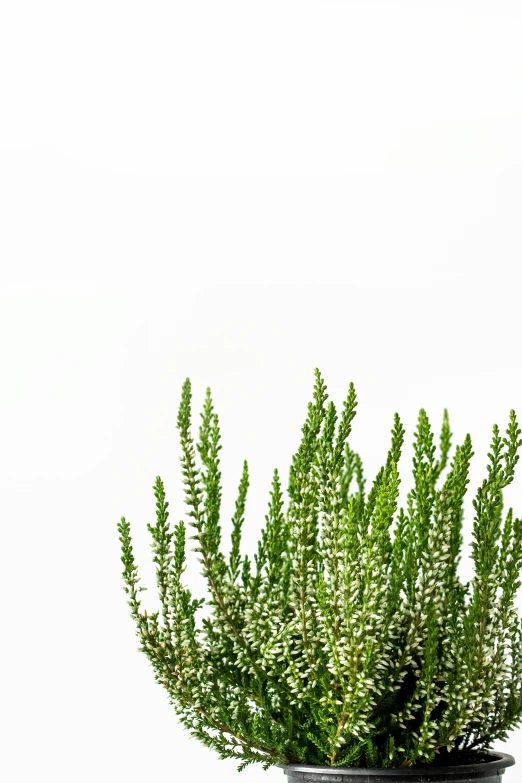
485, 772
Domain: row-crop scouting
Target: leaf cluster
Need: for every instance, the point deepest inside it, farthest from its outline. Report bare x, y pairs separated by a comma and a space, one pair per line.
348, 639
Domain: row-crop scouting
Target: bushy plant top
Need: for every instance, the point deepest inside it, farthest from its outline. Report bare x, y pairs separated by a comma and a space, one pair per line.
349, 638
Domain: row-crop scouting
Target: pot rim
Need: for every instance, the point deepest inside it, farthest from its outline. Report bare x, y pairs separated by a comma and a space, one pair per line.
499, 761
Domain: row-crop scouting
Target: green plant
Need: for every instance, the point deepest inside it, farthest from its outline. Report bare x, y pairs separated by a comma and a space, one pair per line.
349, 638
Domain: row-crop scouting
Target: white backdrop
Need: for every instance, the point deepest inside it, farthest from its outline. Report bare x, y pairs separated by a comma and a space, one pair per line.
237, 192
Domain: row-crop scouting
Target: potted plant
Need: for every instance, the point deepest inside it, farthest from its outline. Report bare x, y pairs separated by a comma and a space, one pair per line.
347, 648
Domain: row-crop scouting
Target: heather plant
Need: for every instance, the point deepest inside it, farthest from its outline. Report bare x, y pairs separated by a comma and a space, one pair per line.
348, 638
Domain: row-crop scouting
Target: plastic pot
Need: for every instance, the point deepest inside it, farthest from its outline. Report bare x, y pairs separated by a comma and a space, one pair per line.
484, 772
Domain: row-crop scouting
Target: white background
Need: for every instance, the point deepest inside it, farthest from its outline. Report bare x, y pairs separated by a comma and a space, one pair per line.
237, 192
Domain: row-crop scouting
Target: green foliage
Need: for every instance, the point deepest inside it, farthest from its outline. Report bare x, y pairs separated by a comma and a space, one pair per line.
349, 638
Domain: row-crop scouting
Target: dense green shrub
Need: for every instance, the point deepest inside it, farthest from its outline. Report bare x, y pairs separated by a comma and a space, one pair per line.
349, 638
